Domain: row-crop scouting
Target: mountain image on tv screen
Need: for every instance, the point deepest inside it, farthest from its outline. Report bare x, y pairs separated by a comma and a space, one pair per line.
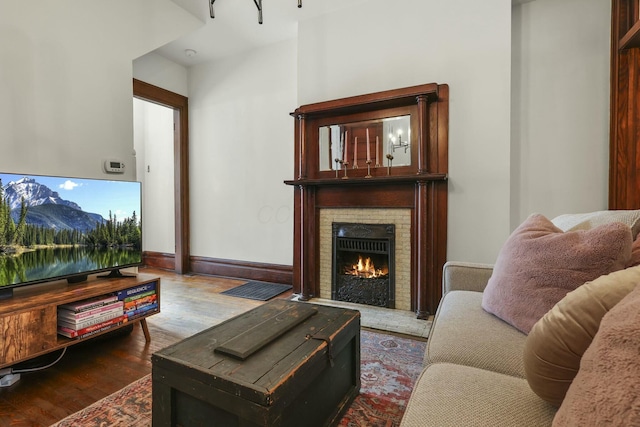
60, 227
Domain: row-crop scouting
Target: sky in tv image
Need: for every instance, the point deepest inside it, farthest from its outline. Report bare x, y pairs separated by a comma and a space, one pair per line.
97, 196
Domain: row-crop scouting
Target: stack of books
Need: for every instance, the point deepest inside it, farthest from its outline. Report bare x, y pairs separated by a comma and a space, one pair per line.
88, 317
139, 301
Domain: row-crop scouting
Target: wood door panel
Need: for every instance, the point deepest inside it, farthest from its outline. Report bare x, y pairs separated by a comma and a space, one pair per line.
26, 333
624, 151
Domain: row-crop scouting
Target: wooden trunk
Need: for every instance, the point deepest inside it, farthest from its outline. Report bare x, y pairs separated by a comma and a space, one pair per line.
284, 363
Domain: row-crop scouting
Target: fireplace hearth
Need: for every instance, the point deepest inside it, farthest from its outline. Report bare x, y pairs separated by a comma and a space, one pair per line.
363, 264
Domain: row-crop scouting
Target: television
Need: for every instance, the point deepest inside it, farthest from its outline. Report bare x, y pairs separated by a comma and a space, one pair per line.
56, 227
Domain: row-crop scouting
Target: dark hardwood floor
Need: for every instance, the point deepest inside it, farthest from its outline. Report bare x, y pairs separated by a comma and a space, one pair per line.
94, 369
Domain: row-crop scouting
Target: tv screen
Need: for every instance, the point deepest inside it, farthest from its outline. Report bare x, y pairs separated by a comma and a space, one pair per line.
54, 227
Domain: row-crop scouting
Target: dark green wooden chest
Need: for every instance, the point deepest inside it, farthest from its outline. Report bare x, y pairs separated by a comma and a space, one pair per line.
284, 363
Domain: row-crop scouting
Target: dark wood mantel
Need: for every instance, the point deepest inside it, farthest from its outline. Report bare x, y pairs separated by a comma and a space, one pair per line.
386, 180
420, 187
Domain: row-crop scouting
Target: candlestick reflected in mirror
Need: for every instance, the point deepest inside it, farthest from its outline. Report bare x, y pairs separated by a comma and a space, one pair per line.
345, 155
337, 162
368, 148
389, 160
355, 153
396, 142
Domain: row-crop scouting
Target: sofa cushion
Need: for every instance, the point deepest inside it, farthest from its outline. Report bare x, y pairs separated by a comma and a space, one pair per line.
449, 395
556, 343
465, 276
539, 264
606, 390
586, 221
464, 333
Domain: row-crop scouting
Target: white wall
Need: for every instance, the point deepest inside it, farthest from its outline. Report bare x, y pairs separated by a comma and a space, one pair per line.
464, 43
560, 107
153, 142
159, 71
65, 80
241, 151
534, 144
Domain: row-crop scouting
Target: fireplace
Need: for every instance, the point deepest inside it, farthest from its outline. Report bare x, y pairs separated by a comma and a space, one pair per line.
328, 183
363, 264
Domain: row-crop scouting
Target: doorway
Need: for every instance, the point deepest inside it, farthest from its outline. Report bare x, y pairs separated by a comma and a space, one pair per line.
153, 145
179, 105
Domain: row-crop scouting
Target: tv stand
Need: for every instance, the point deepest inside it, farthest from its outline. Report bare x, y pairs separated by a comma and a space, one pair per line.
29, 319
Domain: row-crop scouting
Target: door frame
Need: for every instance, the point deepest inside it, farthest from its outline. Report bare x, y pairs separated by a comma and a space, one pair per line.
179, 105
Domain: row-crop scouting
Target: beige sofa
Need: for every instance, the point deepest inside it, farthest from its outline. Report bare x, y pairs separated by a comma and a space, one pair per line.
479, 370
474, 373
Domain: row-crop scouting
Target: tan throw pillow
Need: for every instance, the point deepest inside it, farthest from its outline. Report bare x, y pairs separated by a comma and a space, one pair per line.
539, 264
556, 343
586, 221
606, 391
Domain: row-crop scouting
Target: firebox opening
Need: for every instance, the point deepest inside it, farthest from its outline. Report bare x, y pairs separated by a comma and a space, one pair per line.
363, 264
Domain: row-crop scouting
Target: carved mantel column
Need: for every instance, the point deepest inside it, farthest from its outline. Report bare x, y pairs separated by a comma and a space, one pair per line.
421, 251
301, 147
423, 133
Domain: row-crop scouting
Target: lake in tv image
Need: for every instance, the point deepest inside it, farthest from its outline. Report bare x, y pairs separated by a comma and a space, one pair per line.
56, 227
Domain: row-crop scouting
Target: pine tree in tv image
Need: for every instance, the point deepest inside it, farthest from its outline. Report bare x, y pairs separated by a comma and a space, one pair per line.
59, 227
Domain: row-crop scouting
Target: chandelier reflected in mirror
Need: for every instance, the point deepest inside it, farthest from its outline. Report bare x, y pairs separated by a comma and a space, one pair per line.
258, 4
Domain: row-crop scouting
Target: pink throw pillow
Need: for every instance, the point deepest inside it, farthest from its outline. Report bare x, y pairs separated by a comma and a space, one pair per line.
606, 390
635, 253
539, 264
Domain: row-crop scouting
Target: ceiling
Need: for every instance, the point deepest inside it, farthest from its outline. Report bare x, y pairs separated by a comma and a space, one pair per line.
235, 28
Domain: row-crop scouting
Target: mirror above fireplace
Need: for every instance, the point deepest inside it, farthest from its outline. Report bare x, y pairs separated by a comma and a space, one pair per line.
385, 135
384, 142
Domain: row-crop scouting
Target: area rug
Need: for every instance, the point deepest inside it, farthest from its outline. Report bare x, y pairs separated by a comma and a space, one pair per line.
261, 291
390, 366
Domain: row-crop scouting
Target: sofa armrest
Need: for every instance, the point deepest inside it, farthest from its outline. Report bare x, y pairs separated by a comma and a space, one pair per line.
465, 276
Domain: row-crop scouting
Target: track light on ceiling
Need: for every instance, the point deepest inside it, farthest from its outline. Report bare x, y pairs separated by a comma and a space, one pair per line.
258, 4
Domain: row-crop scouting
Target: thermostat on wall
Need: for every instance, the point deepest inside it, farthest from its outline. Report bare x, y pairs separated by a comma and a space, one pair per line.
113, 166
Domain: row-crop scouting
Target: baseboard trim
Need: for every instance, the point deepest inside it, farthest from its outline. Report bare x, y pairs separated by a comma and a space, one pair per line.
274, 273
159, 260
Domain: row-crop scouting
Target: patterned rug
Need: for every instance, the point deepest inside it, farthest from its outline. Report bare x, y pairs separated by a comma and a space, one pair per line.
390, 366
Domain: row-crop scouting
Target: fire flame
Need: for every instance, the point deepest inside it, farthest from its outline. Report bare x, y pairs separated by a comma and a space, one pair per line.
365, 268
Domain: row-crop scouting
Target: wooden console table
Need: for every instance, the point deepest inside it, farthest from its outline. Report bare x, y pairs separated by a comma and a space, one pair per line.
28, 320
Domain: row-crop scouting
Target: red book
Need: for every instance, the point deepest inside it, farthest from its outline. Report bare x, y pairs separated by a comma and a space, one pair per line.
71, 333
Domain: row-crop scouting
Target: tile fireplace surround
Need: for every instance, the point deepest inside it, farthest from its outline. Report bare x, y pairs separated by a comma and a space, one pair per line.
412, 195
401, 218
